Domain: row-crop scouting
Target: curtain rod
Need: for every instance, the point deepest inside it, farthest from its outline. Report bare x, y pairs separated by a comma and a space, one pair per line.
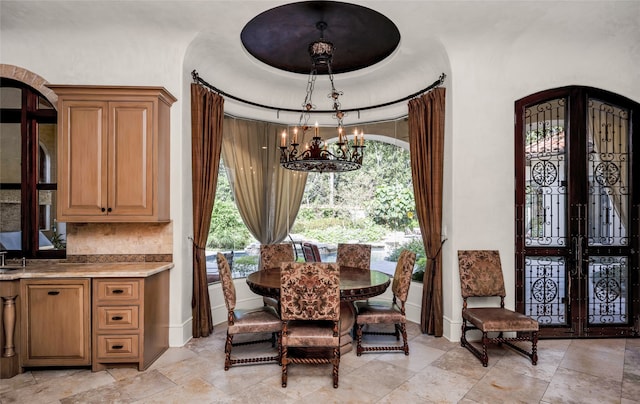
199, 80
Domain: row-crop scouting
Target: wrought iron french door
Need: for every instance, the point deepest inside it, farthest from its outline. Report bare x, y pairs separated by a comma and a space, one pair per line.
578, 212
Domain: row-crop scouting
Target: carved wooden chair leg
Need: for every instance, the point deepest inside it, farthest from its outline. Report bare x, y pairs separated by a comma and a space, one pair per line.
284, 361
336, 364
359, 349
405, 344
227, 351
485, 355
534, 348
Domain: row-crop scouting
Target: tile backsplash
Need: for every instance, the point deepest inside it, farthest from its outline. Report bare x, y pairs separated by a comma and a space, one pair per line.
133, 239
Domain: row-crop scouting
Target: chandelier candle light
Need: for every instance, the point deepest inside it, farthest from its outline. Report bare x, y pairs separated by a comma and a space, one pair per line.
346, 155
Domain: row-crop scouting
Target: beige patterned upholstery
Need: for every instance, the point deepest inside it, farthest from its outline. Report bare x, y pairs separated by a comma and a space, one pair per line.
310, 312
481, 276
373, 312
354, 256
263, 319
271, 256
311, 252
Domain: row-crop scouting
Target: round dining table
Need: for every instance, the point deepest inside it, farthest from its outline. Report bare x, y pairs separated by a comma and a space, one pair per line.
355, 284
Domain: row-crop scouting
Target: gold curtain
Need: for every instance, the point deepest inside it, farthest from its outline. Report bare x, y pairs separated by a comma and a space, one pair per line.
207, 111
426, 144
268, 196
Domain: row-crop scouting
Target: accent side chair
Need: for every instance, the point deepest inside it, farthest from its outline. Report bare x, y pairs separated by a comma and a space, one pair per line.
310, 312
481, 276
263, 319
373, 312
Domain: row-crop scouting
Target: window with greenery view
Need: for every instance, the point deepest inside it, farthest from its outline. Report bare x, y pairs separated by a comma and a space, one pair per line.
372, 205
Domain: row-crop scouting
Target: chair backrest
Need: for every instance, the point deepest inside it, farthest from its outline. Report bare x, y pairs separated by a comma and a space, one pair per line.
229, 257
480, 273
228, 288
272, 255
310, 291
402, 276
354, 256
311, 252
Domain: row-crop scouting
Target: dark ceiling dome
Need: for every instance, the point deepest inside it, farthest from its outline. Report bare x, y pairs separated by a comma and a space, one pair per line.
280, 37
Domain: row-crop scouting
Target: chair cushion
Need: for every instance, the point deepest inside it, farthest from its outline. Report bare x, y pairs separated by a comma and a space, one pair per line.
262, 319
489, 319
374, 312
305, 333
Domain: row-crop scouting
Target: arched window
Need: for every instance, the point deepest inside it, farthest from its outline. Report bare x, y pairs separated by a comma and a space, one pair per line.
28, 180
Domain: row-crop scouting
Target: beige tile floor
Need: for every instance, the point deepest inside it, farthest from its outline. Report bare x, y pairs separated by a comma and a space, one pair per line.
568, 371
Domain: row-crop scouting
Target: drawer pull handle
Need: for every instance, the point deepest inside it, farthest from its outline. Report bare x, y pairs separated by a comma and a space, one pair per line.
117, 347
116, 318
118, 291
53, 292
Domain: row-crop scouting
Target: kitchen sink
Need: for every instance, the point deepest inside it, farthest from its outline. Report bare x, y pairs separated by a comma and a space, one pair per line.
7, 269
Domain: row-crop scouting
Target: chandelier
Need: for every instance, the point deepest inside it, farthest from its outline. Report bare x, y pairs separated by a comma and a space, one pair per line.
345, 154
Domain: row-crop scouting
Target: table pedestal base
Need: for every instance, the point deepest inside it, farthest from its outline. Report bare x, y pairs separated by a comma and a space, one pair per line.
347, 320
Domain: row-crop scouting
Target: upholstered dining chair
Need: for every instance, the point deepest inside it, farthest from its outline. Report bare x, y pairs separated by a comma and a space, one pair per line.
263, 319
354, 256
310, 313
311, 252
271, 256
371, 313
481, 276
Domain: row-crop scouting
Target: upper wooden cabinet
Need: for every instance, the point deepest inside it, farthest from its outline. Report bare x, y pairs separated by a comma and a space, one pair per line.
113, 153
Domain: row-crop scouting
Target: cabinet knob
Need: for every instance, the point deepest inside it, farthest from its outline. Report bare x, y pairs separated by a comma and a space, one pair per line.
117, 291
53, 292
117, 346
116, 318
102, 209
108, 209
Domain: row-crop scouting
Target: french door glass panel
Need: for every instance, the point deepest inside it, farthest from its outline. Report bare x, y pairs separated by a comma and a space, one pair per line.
608, 130
546, 191
577, 268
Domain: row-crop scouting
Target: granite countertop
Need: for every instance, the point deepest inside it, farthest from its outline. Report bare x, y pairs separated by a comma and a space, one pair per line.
84, 270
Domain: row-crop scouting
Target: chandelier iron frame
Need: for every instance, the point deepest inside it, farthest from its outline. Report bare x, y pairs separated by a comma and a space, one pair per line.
316, 157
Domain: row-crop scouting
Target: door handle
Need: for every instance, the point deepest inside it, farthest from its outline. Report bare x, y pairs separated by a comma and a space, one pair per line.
575, 258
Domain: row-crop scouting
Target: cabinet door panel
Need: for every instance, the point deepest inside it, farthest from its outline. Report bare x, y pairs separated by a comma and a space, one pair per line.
56, 325
131, 158
82, 187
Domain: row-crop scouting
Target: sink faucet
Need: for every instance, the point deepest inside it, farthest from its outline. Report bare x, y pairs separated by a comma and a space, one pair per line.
2, 253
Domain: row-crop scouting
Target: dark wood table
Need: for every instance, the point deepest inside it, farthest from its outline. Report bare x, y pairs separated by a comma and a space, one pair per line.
355, 284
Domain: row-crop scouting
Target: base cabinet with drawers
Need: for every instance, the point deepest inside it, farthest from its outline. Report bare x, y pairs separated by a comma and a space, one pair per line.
130, 321
101, 322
